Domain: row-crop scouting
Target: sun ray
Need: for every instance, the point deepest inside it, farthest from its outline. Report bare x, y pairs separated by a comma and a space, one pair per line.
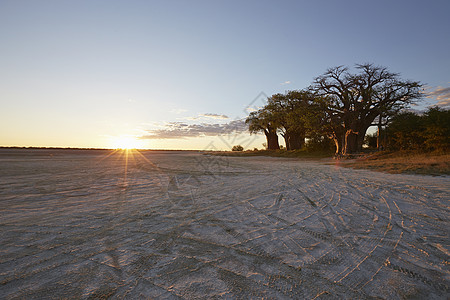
147, 160
108, 155
126, 151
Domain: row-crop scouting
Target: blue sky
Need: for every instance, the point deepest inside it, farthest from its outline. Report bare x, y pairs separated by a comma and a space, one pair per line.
95, 73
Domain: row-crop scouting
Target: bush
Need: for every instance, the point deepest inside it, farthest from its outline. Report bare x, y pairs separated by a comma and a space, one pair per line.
430, 132
237, 148
437, 129
405, 132
319, 143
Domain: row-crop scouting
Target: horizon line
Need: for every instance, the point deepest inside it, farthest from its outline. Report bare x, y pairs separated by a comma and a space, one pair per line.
96, 148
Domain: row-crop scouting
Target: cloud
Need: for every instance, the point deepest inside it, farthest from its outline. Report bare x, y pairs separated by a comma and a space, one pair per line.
180, 130
442, 94
209, 116
286, 82
214, 116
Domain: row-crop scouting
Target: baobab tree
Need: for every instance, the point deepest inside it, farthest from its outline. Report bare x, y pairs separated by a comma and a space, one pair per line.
355, 100
286, 110
263, 120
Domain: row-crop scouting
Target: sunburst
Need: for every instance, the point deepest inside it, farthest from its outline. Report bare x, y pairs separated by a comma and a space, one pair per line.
127, 143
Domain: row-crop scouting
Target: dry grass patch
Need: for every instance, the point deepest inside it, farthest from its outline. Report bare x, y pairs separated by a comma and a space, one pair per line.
301, 154
404, 162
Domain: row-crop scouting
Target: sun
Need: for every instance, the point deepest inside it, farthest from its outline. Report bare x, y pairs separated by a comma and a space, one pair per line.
126, 143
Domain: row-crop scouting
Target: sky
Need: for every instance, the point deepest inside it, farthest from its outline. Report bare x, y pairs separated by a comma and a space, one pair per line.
184, 74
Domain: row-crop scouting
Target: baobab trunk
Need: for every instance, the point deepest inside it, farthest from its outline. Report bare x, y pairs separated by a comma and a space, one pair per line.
380, 119
351, 143
339, 141
272, 141
354, 139
286, 141
338, 147
360, 139
294, 141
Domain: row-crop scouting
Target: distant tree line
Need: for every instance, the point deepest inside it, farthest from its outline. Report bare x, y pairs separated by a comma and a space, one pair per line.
339, 106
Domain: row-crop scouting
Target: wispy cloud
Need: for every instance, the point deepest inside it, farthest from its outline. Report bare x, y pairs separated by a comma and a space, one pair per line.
286, 82
442, 94
209, 116
180, 130
214, 116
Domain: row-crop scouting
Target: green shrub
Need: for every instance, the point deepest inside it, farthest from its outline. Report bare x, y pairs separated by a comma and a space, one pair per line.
429, 132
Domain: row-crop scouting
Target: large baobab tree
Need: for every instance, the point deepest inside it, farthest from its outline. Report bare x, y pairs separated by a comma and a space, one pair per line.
263, 120
290, 112
355, 100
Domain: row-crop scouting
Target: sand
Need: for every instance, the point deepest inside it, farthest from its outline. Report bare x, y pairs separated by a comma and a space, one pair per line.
170, 225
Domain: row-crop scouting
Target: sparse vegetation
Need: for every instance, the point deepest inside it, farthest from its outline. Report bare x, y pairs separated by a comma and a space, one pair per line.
302, 154
396, 162
412, 162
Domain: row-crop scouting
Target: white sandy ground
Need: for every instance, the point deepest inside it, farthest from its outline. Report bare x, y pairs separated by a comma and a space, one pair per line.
185, 225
